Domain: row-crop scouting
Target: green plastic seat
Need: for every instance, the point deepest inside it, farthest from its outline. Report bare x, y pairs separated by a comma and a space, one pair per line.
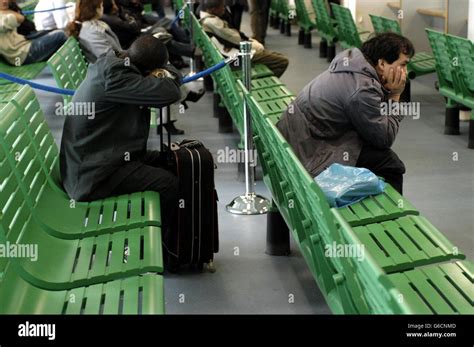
347, 32
133, 295
438, 289
405, 243
304, 21
29, 135
324, 23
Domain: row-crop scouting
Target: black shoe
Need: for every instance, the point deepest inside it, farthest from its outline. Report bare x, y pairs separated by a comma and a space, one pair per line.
195, 97
170, 128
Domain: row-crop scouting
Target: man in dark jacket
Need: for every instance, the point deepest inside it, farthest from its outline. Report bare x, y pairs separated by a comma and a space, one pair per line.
340, 117
104, 152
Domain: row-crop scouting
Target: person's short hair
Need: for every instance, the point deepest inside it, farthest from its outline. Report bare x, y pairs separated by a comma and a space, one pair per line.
148, 53
387, 46
211, 4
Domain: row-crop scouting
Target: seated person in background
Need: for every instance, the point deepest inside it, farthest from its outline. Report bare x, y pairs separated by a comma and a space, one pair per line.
338, 117
230, 38
16, 49
104, 152
95, 36
128, 30
27, 27
125, 27
51, 20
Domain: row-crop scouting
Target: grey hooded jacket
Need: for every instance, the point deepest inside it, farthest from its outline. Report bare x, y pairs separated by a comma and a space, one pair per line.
337, 113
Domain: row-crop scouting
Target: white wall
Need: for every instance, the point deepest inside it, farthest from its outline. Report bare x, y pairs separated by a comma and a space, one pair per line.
470, 33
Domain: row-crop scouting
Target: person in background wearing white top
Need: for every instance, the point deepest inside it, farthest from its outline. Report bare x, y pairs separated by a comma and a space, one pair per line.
51, 20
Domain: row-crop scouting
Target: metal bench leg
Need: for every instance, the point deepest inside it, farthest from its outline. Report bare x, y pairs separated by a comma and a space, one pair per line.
308, 40
331, 52
278, 234
282, 26
226, 124
323, 49
288, 28
451, 124
301, 35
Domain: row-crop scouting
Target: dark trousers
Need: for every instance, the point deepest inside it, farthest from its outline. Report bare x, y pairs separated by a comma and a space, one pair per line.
384, 163
259, 13
236, 12
152, 176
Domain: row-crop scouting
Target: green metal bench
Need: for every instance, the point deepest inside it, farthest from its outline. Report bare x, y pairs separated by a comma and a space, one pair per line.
72, 219
326, 29
347, 32
454, 67
133, 295
392, 246
305, 23
422, 63
77, 262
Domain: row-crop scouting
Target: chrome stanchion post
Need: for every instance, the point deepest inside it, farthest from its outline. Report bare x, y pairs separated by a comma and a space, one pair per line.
192, 63
250, 203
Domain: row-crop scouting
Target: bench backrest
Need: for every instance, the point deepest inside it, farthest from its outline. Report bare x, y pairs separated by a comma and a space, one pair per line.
462, 61
303, 17
384, 24
68, 66
346, 29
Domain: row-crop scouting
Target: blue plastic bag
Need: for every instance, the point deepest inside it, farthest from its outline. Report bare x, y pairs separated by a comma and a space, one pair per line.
345, 185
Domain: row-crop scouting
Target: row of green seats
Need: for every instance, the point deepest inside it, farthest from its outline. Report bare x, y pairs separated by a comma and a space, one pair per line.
422, 63
404, 267
102, 252
326, 27
455, 68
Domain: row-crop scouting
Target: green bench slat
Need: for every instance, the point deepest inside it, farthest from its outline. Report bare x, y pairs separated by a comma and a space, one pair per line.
18, 296
303, 17
440, 289
405, 243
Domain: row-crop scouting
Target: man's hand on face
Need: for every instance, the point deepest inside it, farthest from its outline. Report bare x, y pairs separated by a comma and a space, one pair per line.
396, 80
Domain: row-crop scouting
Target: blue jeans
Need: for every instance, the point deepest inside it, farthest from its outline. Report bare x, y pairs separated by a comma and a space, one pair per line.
45, 46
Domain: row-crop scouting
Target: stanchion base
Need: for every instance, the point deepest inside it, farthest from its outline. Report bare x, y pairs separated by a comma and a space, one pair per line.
249, 204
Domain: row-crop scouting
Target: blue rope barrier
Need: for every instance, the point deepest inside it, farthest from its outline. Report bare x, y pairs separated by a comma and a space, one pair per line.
50, 10
34, 85
205, 72
71, 92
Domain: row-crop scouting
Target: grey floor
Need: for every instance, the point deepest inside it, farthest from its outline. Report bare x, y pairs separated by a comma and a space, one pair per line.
249, 281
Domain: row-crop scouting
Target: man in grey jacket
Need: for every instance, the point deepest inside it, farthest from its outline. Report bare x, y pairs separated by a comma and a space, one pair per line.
340, 117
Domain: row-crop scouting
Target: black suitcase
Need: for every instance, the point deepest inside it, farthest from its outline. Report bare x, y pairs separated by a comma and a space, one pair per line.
194, 236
